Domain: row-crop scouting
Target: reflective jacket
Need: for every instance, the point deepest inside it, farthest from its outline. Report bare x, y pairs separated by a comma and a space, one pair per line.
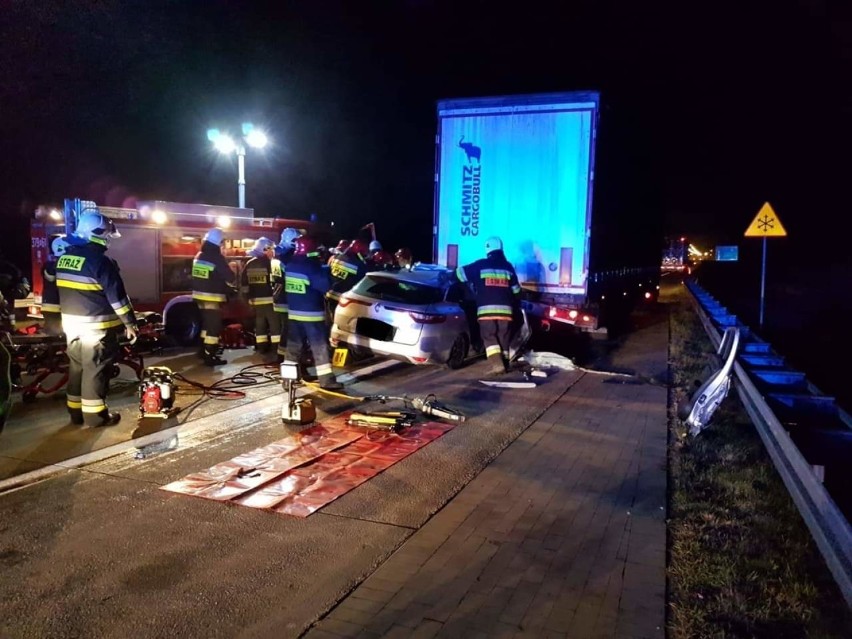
257, 282
210, 275
49, 289
278, 268
306, 283
495, 284
91, 292
346, 271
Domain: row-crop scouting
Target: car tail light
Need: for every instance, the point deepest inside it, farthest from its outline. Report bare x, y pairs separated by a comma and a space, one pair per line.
419, 360
427, 318
346, 301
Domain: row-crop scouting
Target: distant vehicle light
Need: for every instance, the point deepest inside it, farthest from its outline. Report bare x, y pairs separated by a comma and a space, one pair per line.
552, 312
159, 217
55, 214
586, 318
647, 295
572, 314
224, 221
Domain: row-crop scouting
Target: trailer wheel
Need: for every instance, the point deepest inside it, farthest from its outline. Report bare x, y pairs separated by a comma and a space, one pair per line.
183, 323
458, 351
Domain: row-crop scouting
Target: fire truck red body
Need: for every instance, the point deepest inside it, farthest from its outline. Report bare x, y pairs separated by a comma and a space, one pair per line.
155, 251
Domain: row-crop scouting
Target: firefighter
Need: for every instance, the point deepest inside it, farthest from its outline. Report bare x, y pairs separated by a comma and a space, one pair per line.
306, 283
278, 268
50, 308
404, 259
257, 286
346, 271
375, 247
497, 291
340, 249
211, 277
94, 307
380, 261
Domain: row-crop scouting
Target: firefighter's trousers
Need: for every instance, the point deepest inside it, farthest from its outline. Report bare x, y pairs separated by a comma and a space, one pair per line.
267, 327
91, 355
312, 335
495, 337
211, 326
283, 323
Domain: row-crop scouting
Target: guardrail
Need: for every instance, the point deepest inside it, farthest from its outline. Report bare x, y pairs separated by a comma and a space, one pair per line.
824, 426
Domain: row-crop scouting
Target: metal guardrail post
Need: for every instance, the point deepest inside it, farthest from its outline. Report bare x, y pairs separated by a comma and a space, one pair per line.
828, 527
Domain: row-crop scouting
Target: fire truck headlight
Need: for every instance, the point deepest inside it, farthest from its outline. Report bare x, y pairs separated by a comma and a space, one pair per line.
572, 314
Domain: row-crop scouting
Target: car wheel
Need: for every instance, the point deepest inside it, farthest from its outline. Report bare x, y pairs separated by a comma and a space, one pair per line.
458, 351
183, 324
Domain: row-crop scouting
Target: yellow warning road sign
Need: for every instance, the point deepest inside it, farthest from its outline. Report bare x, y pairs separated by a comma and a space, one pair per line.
766, 224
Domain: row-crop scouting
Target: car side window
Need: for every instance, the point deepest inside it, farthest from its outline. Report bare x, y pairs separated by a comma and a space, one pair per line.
456, 293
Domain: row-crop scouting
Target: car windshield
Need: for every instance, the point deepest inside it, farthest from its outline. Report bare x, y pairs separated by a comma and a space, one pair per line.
389, 289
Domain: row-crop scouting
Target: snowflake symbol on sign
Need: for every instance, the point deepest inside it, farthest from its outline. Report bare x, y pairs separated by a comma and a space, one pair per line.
766, 223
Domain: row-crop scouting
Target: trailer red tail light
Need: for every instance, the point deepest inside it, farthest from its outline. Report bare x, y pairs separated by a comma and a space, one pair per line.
427, 318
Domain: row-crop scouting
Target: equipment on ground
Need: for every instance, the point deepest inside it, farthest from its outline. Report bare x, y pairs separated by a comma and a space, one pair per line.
698, 411
383, 420
295, 410
157, 393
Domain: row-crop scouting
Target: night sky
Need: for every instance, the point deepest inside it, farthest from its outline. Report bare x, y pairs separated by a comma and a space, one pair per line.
708, 108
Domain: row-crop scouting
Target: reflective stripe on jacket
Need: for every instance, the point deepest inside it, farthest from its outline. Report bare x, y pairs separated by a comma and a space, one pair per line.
495, 285
256, 280
91, 291
346, 271
210, 275
306, 283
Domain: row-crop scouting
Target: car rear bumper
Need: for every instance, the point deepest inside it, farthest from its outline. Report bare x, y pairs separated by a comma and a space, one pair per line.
411, 353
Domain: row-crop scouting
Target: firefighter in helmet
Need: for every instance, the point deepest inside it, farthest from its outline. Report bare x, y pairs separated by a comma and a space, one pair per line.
381, 261
257, 285
283, 255
346, 271
404, 259
497, 291
94, 307
307, 283
340, 249
50, 309
211, 277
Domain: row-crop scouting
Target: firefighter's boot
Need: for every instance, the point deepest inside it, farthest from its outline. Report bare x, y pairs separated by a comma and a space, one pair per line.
105, 418
329, 382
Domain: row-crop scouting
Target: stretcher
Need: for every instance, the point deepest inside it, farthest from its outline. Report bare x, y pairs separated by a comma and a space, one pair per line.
38, 356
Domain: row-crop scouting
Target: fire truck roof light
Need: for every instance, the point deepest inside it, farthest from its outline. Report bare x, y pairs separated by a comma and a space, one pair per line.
159, 217
224, 221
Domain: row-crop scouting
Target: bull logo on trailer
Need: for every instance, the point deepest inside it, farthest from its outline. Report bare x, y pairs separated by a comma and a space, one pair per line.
472, 151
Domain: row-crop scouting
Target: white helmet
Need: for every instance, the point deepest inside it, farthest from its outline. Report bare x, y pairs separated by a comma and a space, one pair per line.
94, 227
261, 245
58, 246
288, 236
214, 236
375, 245
493, 243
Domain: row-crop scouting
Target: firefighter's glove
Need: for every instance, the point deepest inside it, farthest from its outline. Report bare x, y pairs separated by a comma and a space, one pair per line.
132, 333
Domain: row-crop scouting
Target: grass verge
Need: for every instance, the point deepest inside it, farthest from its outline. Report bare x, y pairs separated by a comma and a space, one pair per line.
741, 560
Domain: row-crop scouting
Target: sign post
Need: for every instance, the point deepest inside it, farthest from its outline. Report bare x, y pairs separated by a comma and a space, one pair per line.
765, 224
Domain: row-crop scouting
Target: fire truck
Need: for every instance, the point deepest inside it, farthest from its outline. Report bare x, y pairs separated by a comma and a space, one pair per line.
158, 242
